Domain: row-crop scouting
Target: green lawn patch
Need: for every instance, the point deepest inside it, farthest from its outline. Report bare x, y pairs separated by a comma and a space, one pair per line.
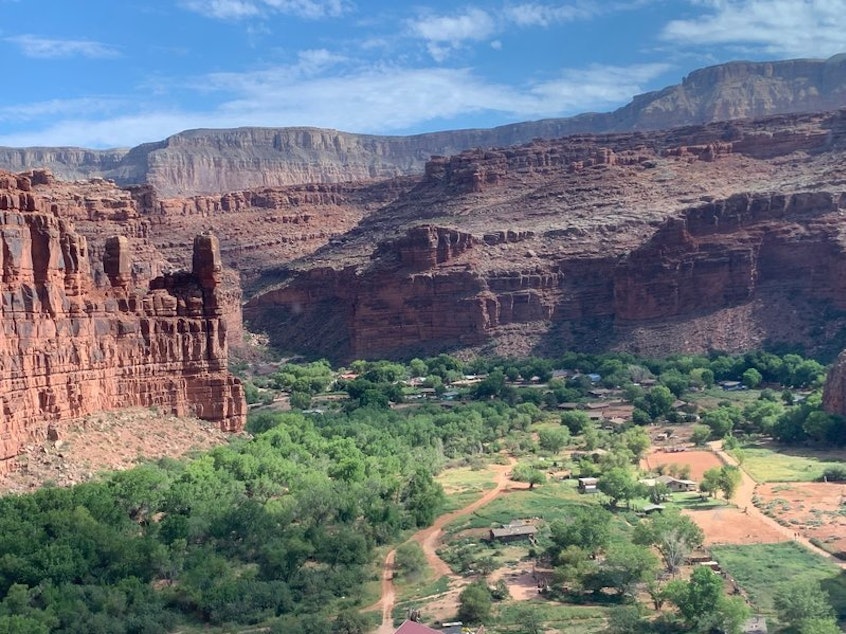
509, 617
464, 485
761, 568
767, 465
548, 502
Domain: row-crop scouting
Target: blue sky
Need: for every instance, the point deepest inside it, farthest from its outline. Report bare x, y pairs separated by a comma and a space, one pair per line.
115, 73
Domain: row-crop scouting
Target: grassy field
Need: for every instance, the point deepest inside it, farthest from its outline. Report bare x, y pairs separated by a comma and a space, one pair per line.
767, 465
760, 568
573, 619
548, 502
464, 485
710, 398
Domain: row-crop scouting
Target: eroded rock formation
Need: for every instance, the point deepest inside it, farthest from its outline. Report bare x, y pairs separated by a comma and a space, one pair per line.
719, 237
75, 343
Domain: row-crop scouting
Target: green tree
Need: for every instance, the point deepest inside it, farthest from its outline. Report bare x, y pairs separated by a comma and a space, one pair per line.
423, 497
626, 619
730, 479
575, 421
526, 473
626, 565
636, 440
418, 368
710, 483
350, 622
751, 378
553, 439
529, 619
619, 484
801, 601
674, 536
702, 604
700, 435
721, 420
474, 603
300, 400
410, 560
586, 527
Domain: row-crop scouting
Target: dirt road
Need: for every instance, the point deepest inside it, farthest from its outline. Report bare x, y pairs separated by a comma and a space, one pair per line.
429, 537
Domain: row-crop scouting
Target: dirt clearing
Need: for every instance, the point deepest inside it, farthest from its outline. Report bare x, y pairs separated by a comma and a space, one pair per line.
813, 509
699, 461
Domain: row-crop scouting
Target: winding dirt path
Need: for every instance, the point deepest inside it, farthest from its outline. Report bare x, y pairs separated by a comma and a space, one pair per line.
429, 537
743, 499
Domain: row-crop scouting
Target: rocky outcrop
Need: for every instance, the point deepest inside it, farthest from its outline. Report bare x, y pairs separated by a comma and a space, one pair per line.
834, 393
76, 343
718, 237
214, 161
263, 228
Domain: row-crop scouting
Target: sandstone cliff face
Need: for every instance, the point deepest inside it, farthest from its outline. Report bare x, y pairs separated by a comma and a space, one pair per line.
214, 161
674, 241
261, 229
834, 393
74, 345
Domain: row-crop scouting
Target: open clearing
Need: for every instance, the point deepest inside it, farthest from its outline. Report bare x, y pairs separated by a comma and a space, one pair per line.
699, 461
761, 569
788, 464
816, 510
730, 525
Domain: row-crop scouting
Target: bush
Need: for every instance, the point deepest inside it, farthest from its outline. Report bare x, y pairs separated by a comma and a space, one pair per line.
834, 474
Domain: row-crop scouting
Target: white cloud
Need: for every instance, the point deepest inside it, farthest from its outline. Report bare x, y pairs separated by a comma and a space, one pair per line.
47, 48
598, 86
534, 14
797, 28
381, 99
59, 107
446, 33
239, 9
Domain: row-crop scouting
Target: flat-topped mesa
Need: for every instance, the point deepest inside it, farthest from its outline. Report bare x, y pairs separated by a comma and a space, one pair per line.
72, 346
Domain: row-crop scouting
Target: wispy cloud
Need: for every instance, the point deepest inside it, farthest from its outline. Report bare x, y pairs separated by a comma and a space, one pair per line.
240, 9
60, 108
444, 33
534, 14
48, 48
359, 98
450, 33
777, 27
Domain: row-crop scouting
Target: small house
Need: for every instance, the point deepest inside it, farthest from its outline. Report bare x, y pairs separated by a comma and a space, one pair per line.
649, 509
755, 625
514, 532
594, 455
677, 485
457, 627
588, 485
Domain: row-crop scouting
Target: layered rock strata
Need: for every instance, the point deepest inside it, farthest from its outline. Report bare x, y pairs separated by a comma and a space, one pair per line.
722, 237
73, 344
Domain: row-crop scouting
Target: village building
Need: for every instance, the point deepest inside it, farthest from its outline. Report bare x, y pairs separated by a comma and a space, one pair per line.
675, 485
413, 627
588, 485
513, 532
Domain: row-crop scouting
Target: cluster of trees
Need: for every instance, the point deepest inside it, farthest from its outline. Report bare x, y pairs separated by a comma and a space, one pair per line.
594, 555
379, 383
278, 529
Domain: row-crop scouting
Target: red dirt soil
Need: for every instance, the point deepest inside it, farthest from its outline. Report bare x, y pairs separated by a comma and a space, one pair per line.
813, 509
730, 525
699, 461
